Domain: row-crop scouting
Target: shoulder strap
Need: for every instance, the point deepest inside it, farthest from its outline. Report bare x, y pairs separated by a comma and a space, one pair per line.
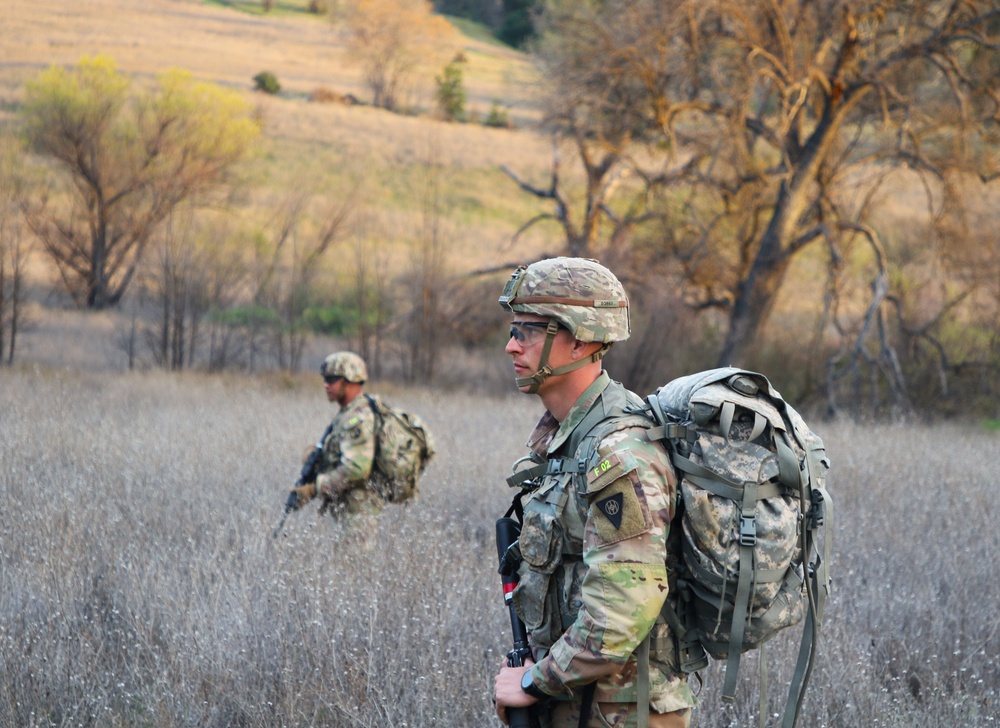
379, 422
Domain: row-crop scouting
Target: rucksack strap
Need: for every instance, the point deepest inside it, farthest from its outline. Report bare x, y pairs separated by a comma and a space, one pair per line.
642, 684
817, 589
741, 604
720, 486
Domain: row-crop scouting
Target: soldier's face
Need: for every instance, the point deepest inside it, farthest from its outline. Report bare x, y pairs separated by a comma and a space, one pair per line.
527, 341
334, 387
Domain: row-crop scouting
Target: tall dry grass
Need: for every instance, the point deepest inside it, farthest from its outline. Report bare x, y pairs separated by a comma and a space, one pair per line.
140, 585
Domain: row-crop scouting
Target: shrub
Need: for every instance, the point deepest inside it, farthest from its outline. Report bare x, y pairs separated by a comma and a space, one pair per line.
451, 92
267, 82
498, 117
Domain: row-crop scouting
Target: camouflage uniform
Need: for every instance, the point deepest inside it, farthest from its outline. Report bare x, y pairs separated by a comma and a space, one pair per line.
594, 573
348, 454
594, 544
345, 471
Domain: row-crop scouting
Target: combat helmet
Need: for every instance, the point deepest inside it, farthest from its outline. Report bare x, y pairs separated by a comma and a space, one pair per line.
579, 294
345, 364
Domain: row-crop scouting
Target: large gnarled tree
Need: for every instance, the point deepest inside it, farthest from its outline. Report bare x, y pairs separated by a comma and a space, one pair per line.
130, 159
753, 129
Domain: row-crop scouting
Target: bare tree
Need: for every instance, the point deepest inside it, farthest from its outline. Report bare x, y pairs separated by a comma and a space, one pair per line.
14, 246
391, 38
740, 133
424, 281
373, 299
179, 289
286, 277
129, 161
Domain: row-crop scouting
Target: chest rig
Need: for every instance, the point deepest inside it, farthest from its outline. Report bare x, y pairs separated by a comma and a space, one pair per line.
551, 506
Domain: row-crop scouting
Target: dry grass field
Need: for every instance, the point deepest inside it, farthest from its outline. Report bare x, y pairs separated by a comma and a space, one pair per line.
140, 584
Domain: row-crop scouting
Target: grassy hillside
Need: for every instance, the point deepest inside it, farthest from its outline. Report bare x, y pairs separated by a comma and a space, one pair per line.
396, 160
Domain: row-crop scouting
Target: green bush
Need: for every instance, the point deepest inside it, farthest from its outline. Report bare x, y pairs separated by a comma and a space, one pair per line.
253, 317
451, 92
498, 117
267, 82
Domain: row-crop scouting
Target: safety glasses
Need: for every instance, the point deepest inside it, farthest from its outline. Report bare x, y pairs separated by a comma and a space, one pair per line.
527, 332
330, 378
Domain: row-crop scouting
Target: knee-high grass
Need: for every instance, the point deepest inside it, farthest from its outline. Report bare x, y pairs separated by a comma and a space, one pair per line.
140, 584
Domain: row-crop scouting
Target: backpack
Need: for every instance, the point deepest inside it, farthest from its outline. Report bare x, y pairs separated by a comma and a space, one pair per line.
403, 447
752, 492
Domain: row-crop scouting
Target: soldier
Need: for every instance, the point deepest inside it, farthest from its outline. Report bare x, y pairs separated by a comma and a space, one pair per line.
344, 473
594, 535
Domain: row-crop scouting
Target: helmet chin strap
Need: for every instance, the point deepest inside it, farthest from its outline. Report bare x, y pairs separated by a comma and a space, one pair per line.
545, 371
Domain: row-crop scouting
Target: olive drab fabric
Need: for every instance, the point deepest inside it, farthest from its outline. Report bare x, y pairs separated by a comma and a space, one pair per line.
754, 499
594, 546
403, 448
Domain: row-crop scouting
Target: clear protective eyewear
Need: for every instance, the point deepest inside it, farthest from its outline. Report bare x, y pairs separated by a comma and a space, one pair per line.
527, 332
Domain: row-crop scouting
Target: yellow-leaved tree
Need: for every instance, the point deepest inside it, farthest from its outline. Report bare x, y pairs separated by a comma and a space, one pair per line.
130, 158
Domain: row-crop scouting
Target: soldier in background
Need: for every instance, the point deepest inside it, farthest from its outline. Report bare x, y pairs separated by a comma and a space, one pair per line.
593, 541
345, 469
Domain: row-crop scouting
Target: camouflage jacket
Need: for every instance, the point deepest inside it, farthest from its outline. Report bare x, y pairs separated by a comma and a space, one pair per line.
348, 455
594, 574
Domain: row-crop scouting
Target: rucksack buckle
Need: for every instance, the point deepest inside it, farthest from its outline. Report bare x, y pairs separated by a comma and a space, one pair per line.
557, 466
817, 511
677, 431
748, 531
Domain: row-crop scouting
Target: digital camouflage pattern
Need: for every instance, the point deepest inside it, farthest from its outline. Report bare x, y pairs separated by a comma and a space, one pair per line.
348, 454
579, 293
594, 575
345, 364
404, 448
711, 542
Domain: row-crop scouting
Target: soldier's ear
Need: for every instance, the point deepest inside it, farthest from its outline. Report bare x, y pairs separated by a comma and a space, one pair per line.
582, 349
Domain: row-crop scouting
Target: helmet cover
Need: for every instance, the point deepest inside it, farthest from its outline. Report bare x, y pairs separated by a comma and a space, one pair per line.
579, 293
345, 364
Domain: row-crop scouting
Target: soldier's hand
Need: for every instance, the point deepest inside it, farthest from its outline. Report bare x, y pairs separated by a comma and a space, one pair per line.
303, 494
507, 692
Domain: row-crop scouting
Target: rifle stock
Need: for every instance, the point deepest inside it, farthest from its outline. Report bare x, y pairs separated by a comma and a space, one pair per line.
507, 531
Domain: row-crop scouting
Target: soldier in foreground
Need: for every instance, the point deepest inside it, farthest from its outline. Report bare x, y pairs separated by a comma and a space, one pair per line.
593, 540
345, 466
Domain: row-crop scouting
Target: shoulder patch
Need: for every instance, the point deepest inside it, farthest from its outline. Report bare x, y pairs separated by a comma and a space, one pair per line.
608, 469
612, 507
618, 512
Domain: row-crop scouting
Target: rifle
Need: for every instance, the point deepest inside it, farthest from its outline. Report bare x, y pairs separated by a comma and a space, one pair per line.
307, 475
508, 530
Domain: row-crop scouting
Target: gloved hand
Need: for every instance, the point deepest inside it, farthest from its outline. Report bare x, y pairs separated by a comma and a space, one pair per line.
303, 494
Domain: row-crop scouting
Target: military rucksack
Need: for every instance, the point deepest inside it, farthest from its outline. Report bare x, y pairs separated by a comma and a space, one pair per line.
403, 447
752, 484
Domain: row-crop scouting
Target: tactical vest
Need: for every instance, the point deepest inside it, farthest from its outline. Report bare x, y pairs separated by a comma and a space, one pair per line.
547, 597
